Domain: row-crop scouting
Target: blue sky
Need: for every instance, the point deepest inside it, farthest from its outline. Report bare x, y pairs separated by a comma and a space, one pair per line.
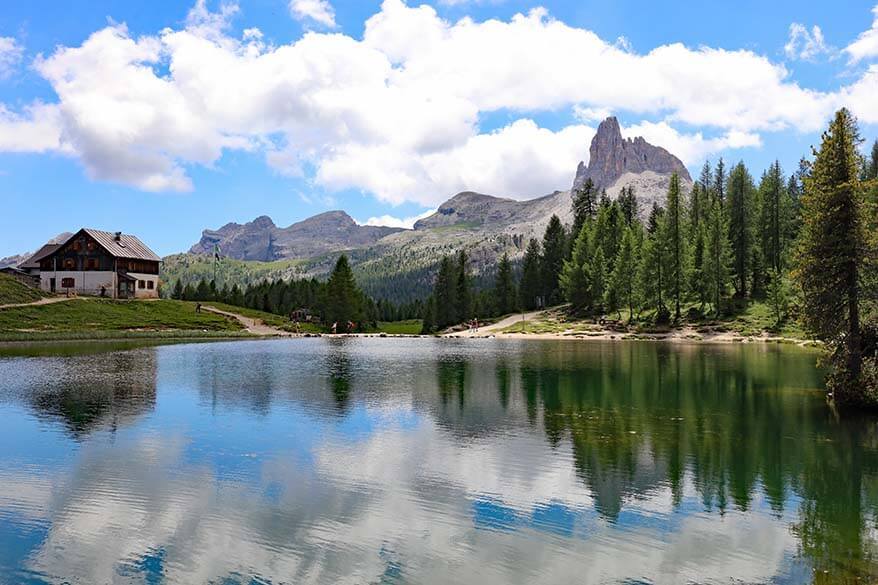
164, 118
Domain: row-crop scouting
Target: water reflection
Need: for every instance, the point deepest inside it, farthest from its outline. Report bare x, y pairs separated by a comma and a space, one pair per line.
316, 461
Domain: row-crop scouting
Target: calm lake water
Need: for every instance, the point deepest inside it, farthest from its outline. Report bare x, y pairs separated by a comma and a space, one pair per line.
430, 461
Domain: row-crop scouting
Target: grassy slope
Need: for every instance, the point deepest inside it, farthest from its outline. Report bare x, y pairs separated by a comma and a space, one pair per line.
94, 318
12, 291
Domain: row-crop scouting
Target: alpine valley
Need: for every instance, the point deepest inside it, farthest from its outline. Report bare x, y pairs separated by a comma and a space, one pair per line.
398, 264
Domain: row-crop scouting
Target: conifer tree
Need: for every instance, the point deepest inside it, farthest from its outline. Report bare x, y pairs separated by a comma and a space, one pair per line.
654, 268
344, 301
464, 294
830, 256
236, 297
445, 295
188, 293
202, 293
716, 255
774, 210
554, 252
584, 206
623, 279
178, 290
872, 163
575, 274
504, 290
428, 320
778, 296
698, 275
628, 205
531, 279
740, 207
676, 244
719, 184
597, 273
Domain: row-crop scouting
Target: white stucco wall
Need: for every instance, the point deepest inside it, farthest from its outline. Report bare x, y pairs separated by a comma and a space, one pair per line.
86, 282
89, 282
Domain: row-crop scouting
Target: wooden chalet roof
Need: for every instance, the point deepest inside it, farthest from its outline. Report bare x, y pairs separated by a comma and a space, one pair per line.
127, 246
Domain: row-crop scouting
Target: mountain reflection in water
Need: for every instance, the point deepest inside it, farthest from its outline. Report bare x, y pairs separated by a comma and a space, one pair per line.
431, 461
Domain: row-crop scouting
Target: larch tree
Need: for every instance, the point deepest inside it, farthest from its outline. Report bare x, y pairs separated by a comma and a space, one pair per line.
624, 276
554, 253
675, 230
830, 256
464, 294
585, 206
504, 289
628, 205
445, 294
344, 300
575, 280
740, 208
531, 280
716, 255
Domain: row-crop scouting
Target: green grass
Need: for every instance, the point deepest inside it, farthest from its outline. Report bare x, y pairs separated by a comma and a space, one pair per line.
13, 291
410, 327
105, 319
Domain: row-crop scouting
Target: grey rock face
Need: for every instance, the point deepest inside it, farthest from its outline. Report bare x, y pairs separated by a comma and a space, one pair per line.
611, 157
262, 240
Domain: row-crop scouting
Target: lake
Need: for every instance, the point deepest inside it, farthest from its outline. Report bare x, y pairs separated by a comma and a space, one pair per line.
430, 461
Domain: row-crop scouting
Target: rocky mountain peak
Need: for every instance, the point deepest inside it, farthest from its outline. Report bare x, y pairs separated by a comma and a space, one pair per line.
611, 157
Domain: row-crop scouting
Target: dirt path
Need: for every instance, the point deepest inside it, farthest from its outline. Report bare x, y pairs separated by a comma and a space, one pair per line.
254, 326
495, 327
45, 301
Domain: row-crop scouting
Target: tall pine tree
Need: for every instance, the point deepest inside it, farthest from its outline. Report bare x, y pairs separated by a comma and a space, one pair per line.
464, 294
740, 213
831, 254
344, 301
531, 278
676, 243
504, 289
554, 252
585, 205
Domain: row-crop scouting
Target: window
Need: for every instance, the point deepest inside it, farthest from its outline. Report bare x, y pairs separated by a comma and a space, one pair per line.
68, 283
90, 246
141, 284
150, 284
91, 264
77, 245
69, 264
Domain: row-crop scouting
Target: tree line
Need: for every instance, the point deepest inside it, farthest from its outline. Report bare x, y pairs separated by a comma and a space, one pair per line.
337, 300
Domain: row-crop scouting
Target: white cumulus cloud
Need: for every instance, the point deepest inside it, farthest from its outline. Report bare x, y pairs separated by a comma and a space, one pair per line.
319, 11
397, 112
866, 45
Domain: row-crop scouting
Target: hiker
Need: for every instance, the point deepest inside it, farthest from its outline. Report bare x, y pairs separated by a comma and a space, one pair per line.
334, 327
297, 326
197, 307
103, 291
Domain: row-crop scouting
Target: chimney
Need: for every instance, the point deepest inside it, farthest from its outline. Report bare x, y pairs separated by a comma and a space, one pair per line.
118, 236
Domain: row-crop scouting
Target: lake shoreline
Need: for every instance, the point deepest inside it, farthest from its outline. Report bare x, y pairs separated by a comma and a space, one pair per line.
678, 336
